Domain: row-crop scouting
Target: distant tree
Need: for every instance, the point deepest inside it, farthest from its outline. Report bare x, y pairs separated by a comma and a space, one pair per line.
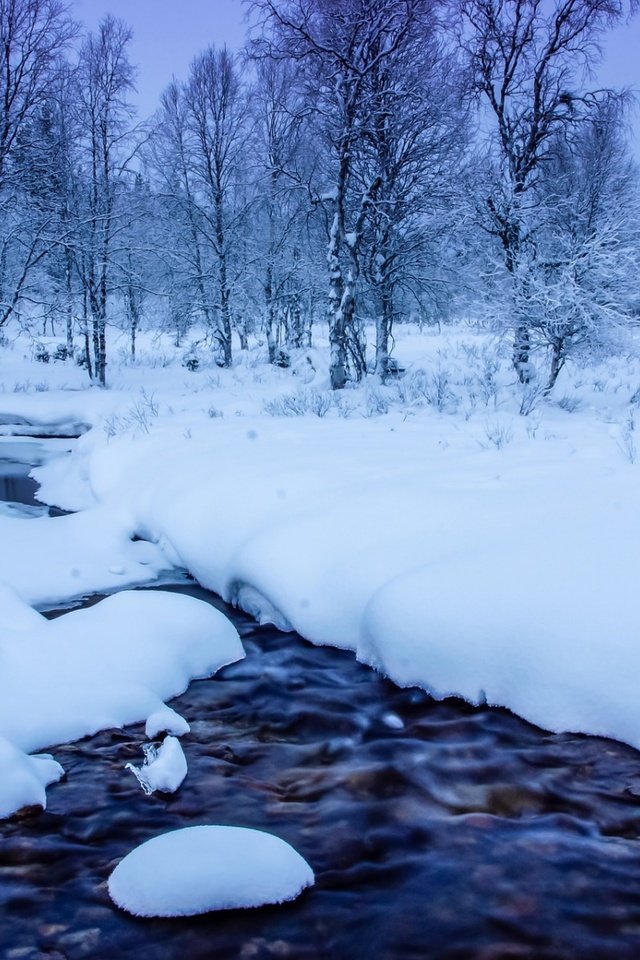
105, 79
217, 127
339, 44
527, 59
583, 279
282, 196
182, 243
34, 36
413, 146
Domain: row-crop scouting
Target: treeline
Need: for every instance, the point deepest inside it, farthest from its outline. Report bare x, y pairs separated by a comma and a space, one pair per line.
360, 163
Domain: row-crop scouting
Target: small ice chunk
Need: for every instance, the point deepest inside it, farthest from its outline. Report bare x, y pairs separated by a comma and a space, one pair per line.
164, 767
166, 721
117, 569
199, 869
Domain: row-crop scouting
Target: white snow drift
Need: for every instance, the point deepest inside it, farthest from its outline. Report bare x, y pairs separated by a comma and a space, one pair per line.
506, 575
92, 669
199, 869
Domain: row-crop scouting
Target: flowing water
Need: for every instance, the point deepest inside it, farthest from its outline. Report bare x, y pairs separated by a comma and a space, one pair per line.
436, 830
17, 489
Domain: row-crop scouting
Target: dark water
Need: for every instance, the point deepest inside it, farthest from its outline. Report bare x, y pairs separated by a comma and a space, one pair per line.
16, 486
466, 833
462, 833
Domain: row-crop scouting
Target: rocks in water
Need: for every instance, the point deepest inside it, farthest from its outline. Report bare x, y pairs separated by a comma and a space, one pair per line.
199, 869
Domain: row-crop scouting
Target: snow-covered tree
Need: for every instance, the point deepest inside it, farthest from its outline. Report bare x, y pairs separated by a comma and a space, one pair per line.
34, 37
105, 80
339, 45
527, 61
582, 280
217, 127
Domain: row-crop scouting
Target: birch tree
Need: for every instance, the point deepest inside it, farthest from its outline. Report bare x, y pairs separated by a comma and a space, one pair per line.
527, 61
34, 36
217, 118
413, 144
587, 255
105, 79
339, 44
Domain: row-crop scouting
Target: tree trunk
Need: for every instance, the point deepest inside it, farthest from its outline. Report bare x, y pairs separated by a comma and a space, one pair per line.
223, 335
337, 319
270, 325
521, 351
557, 363
68, 273
384, 322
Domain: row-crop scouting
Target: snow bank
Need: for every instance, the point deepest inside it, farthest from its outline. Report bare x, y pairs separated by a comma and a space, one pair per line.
48, 560
101, 667
499, 574
23, 779
199, 869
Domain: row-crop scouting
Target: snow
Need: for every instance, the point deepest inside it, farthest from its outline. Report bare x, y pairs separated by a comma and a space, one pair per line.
426, 525
200, 869
468, 571
111, 664
53, 559
23, 779
164, 768
166, 721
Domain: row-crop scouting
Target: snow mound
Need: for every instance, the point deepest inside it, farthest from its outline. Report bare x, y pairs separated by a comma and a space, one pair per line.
23, 779
166, 721
199, 869
164, 768
106, 666
52, 559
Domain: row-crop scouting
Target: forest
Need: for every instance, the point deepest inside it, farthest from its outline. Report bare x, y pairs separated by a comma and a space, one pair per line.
359, 165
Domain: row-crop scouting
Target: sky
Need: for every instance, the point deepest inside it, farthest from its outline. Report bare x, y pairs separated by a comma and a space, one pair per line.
168, 33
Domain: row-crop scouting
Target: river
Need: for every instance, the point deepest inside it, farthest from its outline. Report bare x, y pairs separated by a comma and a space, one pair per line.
436, 830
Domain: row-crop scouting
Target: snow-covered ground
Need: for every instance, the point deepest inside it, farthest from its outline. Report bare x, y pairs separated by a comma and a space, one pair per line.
455, 531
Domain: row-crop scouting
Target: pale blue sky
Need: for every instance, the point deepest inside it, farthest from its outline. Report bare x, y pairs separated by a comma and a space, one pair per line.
168, 34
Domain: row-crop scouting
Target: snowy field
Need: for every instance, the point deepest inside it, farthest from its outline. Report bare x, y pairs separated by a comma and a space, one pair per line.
456, 531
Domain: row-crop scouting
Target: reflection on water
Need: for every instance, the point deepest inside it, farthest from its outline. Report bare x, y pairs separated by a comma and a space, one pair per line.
435, 829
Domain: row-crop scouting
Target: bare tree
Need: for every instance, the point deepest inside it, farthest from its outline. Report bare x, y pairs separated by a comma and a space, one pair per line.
281, 199
413, 144
217, 118
340, 43
34, 35
587, 253
170, 158
105, 78
527, 59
